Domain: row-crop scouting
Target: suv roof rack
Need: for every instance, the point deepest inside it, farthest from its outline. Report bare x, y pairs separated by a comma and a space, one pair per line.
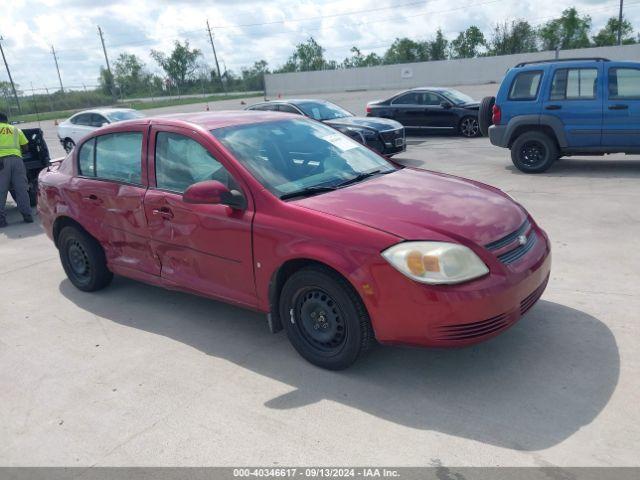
593, 59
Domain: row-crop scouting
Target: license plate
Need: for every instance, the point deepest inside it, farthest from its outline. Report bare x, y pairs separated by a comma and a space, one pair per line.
399, 142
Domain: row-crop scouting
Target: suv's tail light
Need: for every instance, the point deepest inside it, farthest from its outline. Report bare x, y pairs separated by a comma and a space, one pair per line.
496, 115
368, 109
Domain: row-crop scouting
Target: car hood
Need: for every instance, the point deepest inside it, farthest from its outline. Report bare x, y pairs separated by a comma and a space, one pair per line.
471, 105
375, 123
420, 205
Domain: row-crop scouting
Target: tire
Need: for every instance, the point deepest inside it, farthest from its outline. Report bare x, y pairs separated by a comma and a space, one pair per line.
325, 319
68, 145
83, 260
485, 114
534, 152
469, 127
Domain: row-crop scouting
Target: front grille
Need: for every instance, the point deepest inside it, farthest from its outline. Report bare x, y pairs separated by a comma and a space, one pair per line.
530, 300
517, 250
464, 331
504, 241
391, 135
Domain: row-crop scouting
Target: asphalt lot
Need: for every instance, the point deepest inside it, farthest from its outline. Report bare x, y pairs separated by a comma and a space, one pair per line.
136, 375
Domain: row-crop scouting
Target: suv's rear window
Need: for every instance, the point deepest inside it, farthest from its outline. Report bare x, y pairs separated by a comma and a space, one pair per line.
624, 83
525, 85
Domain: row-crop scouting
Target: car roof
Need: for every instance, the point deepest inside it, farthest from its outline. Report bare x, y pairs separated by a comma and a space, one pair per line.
210, 120
104, 111
294, 100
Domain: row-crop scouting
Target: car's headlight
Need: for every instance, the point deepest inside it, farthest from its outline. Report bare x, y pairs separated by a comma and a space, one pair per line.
435, 262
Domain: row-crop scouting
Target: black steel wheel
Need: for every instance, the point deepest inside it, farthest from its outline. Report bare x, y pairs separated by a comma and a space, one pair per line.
324, 318
83, 260
469, 127
68, 145
534, 152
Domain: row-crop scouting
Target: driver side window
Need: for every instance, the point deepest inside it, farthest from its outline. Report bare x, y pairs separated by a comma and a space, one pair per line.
180, 162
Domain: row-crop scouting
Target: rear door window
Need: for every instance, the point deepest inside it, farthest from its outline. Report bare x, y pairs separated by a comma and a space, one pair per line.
288, 108
118, 156
407, 99
87, 159
624, 84
82, 119
574, 84
525, 85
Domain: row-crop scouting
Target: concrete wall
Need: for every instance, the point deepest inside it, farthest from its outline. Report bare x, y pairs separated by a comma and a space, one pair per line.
439, 73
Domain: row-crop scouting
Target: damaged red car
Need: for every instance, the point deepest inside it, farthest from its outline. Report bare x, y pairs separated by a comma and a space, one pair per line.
287, 216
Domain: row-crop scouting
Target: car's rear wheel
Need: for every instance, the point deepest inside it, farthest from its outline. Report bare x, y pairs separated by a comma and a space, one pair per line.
485, 114
68, 145
324, 318
534, 152
469, 127
83, 260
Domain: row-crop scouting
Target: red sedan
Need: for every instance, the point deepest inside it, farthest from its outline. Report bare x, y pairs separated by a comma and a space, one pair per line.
285, 215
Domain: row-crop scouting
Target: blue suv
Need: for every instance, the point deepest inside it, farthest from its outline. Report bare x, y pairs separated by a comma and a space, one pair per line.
549, 109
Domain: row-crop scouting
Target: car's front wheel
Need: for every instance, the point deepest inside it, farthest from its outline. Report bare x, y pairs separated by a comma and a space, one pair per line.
68, 145
534, 152
469, 127
83, 260
324, 318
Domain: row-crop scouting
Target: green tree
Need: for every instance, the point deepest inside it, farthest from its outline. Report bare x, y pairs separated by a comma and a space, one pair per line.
130, 75
438, 47
107, 85
571, 30
467, 43
307, 56
517, 37
181, 64
253, 77
358, 59
405, 50
609, 34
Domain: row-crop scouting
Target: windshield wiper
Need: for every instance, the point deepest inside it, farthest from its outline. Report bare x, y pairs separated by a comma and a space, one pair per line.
308, 191
362, 176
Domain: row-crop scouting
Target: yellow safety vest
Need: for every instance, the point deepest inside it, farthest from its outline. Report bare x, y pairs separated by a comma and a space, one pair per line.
11, 138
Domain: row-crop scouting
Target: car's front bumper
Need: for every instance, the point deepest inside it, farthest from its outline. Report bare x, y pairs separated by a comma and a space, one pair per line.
410, 313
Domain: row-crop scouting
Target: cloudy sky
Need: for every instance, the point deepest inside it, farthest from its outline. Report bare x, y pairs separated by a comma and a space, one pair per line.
244, 30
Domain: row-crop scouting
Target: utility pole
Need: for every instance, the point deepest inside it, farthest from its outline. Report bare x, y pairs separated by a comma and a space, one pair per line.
620, 24
13, 86
55, 58
106, 59
216, 58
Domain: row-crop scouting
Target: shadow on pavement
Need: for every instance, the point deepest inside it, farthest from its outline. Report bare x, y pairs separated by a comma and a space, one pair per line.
588, 167
528, 389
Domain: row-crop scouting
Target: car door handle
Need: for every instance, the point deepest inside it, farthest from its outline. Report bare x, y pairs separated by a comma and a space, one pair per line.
92, 199
618, 107
163, 212
553, 107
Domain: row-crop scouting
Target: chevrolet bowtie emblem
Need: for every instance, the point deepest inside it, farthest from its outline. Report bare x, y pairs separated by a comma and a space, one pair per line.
522, 239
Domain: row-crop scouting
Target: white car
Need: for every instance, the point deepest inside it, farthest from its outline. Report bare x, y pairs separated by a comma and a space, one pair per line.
74, 128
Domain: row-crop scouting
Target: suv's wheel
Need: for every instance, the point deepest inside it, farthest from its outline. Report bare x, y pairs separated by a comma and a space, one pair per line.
469, 127
324, 317
83, 260
534, 152
485, 114
68, 145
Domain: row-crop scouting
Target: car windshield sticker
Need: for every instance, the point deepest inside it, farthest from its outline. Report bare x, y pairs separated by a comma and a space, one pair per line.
316, 113
340, 141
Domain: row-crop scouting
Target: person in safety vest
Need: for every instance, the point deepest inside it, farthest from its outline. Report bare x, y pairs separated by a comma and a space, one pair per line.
13, 174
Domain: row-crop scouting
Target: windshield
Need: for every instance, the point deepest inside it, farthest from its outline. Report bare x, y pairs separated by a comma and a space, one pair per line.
323, 110
456, 97
122, 115
289, 156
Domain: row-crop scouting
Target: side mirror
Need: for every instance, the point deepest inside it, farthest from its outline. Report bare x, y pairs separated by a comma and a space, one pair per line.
104, 124
212, 192
445, 105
